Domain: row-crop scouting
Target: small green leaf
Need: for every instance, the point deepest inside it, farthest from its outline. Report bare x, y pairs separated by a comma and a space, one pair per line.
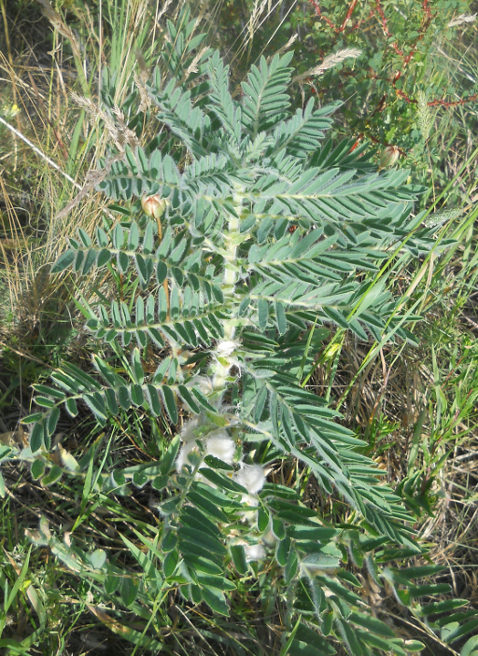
413, 645
280, 317
44, 402
202, 564
218, 582
31, 419
260, 404
169, 541
53, 476
443, 606
101, 238
167, 461
52, 421
428, 590
161, 272
112, 583
38, 469
160, 482
282, 551
239, 558
312, 533
90, 259
36, 437
201, 539
71, 407
64, 261
137, 367
170, 563
97, 559
129, 590
291, 566
118, 477
455, 631
49, 391
97, 405
468, 648
336, 316
124, 397
111, 403
215, 463
103, 258
170, 403
142, 268
372, 624
216, 600
137, 396
262, 519
140, 479
188, 399
85, 238
263, 313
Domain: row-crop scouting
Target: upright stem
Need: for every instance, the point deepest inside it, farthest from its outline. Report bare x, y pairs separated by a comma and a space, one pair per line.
225, 351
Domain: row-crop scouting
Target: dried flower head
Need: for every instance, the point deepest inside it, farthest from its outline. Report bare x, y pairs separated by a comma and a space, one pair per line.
115, 125
424, 115
462, 19
329, 62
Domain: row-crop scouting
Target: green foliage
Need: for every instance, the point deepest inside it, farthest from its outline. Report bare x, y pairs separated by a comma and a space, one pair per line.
257, 232
397, 66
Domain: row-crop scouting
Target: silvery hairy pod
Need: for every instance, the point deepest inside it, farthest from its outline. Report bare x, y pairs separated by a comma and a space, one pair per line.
153, 206
389, 156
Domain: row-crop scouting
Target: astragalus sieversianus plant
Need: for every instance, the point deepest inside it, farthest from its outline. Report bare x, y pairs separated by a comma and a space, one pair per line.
250, 242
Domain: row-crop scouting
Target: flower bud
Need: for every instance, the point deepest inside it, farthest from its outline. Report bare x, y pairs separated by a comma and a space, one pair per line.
153, 206
389, 156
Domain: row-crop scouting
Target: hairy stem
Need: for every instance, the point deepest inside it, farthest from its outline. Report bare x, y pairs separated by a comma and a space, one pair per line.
225, 356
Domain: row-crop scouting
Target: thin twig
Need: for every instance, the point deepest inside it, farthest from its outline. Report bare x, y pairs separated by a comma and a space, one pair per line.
348, 16
18, 134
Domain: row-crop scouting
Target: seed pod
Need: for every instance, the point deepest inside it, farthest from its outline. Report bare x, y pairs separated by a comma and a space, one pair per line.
251, 477
389, 156
153, 206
